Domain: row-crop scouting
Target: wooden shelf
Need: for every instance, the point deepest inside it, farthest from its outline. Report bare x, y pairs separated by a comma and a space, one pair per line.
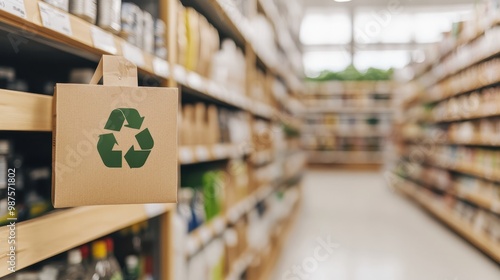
80, 41
243, 262
487, 203
262, 157
240, 265
57, 232
463, 40
478, 239
345, 157
354, 110
345, 133
484, 111
33, 112
211, 90
438, 94
226, 18
490, 174
25, 111
201, 236
207, 153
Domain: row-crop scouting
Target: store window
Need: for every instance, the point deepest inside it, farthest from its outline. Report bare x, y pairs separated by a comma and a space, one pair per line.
319, 28
316, 62
429, 27
381, 59
382, 27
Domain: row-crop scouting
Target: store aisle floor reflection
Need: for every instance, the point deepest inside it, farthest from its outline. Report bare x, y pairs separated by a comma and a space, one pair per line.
353, 227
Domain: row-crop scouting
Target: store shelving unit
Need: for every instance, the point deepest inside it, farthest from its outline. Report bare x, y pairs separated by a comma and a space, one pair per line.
347, 122
447, 152
60, 230
480, 240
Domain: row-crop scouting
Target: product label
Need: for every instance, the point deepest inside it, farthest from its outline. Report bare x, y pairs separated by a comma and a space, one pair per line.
220, 151
192, 245
233, 215
213, 89
205, 234
495, 206
195, 81
219, 225
180, 74
55, 19
160, 67
133, 53
202, 153
15, 7
185, 155
103, 40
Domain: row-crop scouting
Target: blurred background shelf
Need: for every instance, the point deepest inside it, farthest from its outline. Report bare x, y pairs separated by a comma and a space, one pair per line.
62, 230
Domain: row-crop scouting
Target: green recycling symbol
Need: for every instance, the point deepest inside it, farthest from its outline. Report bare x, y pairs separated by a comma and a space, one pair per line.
134, 158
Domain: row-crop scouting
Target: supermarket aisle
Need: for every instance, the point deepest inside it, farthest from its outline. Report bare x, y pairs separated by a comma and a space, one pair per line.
374, 234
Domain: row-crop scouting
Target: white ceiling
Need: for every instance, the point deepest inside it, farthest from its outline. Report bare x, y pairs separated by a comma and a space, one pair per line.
370, 3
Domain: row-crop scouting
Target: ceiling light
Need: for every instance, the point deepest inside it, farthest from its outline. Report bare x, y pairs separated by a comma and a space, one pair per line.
341, 1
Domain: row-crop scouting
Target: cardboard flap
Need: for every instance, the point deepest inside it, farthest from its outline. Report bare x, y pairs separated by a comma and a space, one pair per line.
115, 71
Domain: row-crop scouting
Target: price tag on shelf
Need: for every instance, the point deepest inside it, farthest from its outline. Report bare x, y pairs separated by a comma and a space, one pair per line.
103, 40
186, 155
192, 245
205, 234
220, 151
213, 89
219, 225
195, 81
233, 214
180, 74
495, 206
133, 53
202, 153
160, 67
153, 210
15, 7
55, 19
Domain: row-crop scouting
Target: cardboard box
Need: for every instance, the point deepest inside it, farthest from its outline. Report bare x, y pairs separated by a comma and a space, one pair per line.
114, 143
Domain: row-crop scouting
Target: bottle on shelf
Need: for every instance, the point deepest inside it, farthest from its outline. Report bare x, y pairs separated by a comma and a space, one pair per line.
114, 270
132, 267
98, 268
75, 269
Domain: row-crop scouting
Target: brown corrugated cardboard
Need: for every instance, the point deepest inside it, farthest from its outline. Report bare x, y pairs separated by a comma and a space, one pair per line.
114, 143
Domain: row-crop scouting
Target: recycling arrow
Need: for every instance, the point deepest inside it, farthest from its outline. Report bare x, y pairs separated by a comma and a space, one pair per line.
110, 158
118, 117
145, 139
134, 158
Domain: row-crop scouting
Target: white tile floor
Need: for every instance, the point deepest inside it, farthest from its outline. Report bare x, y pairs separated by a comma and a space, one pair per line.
380, 236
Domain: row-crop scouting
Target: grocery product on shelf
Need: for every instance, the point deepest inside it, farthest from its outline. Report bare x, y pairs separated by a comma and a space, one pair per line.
132, 24
61, 4
109, 15
448, 151
114, 270
98, 267
75, 269
229, 68
347, 121
209, 125
160, 45
85, 9
148, 34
